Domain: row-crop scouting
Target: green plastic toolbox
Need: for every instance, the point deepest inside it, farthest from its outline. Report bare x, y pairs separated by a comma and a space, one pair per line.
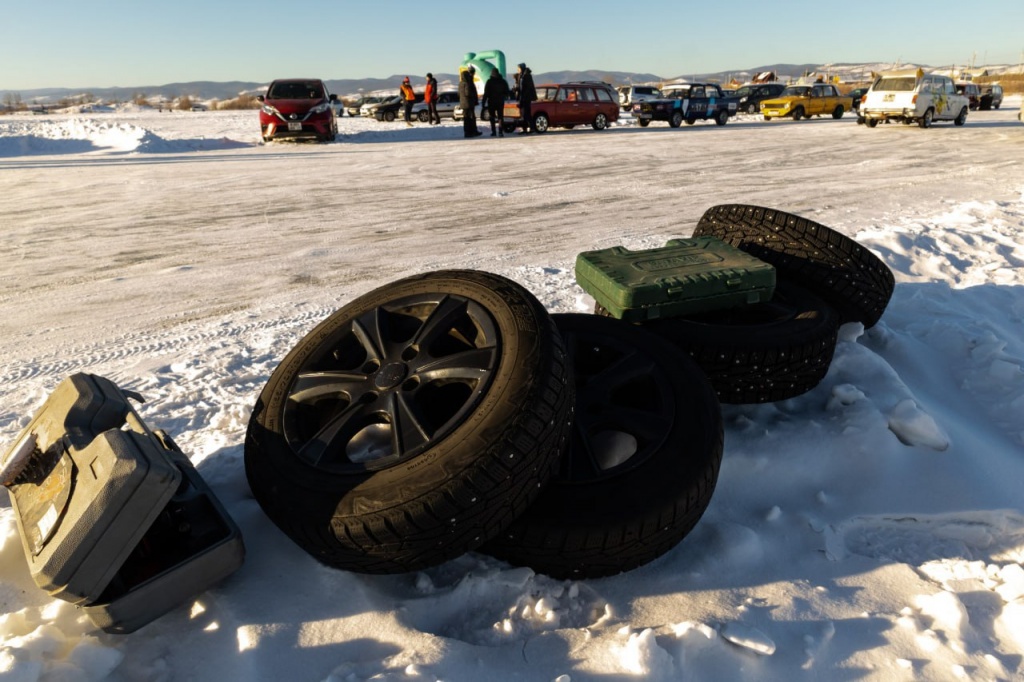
683, 277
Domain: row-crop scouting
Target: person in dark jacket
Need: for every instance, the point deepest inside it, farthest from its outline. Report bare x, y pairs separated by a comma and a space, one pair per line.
526, 94
495, 94
468, 100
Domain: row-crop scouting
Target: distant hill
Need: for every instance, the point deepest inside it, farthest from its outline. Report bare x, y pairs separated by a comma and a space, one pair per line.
345, 87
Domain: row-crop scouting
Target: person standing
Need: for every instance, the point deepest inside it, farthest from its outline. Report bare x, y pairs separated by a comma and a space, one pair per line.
430, 97
527, 93
495, 93
468, 100
408, 99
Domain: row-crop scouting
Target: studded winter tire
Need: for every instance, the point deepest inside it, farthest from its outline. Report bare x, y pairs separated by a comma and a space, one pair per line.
847, 275
413, 424
642, 462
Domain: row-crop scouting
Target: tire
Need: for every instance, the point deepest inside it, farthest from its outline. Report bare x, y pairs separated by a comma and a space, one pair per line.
541, 123
838, 111
509, 127
751, 108
926, 120
690, 121
389, 116
471, 368
600, 122
423, 116
676, 119
798, 113
961, 118
767, 118
846, 275
642, 463
643, 122
759, 353
721, 118
871, 122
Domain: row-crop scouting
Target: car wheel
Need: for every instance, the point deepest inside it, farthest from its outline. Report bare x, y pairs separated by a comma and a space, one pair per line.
643, 122
600, 122
721, 118
389, 116
509, 127
413, 424
676, 120
847, 275
767, 118
751, 108
423, 116
926, 120
642, 463
798, 113
541, 123
961, 118
837, 112
763, 352
871, 122
690, 121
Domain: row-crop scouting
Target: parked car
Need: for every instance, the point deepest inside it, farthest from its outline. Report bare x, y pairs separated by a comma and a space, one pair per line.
804, 101
690, 103
565, 105
912, 96
971, 91
751, 95
298, 108
393, 108
446, 103
631, 94
857, 94
367, 108
991, 96
354, 106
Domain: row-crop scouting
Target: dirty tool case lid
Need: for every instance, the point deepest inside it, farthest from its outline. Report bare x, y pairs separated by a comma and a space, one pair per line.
685, 276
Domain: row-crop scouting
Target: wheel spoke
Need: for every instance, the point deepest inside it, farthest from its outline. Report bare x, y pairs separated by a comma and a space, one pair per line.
470, 365
312, 386
371, 330
440, 321
408, 428
332, 436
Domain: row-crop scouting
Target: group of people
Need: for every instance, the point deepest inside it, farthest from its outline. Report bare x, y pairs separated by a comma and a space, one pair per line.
496, 91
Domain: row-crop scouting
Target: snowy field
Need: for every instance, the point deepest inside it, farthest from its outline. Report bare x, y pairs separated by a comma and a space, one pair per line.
871, 529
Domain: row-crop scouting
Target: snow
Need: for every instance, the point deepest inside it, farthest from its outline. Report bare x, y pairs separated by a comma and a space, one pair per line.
869, 529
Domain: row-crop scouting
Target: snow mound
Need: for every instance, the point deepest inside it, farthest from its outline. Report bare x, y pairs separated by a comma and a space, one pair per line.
82, 135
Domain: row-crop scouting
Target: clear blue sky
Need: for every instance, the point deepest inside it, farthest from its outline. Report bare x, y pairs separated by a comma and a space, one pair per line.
137, 43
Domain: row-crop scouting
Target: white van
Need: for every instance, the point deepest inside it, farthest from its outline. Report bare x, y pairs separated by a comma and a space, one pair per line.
912, 96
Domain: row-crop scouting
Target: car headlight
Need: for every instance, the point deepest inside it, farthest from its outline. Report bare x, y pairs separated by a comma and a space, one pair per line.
320, 108
271, 111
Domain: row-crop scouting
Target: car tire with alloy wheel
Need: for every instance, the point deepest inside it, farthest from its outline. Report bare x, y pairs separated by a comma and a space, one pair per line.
751, 108
721, 118
961, 118
389, 116
423, 116
600, 122
848, 276
676, 120
798, 113
541, 123
413, 424
926, 120
642, 462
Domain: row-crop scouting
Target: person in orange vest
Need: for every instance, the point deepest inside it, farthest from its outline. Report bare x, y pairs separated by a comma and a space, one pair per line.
430, 97
409, 97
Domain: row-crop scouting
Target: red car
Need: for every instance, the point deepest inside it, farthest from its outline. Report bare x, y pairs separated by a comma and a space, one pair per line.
298, 108
567, 105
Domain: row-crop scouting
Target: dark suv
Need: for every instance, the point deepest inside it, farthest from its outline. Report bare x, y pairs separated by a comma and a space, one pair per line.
567, 105
750, 96
298, 108
991, 96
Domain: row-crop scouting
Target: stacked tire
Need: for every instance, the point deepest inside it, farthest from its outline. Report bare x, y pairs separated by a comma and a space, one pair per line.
449, 412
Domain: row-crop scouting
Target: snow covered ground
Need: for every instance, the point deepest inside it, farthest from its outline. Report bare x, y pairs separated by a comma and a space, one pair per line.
869, 529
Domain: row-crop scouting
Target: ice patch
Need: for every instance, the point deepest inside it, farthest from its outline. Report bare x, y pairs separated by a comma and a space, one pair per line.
749, 638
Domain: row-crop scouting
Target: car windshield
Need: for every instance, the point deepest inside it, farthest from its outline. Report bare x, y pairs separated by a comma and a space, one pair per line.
294, 90
743, 91
796, 91
898, 84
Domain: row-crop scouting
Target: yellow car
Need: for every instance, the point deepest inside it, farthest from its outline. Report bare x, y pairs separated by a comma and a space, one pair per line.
804, 101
